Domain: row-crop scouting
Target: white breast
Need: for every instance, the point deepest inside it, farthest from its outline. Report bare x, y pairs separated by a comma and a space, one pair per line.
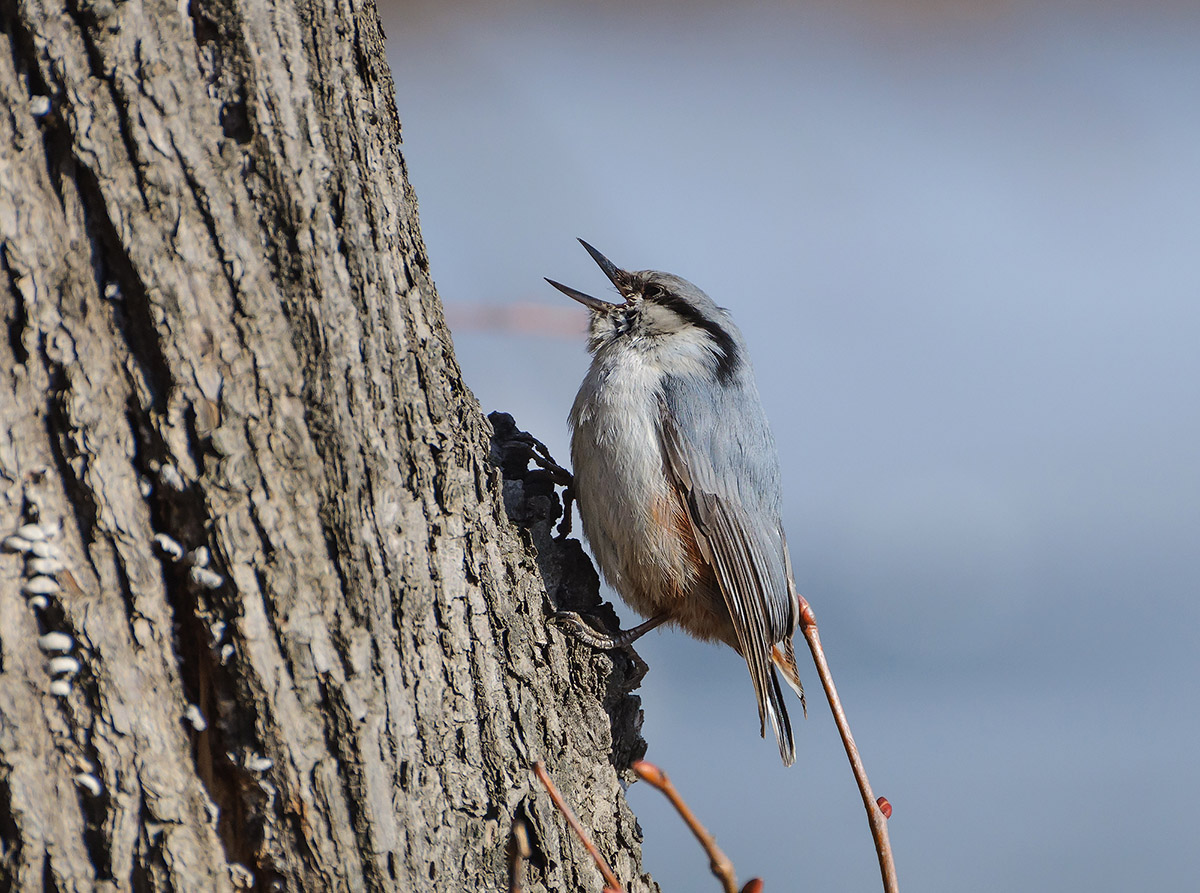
619, 478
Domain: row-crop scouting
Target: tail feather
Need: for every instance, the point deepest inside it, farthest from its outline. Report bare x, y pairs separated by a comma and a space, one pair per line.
785, 660
780, 721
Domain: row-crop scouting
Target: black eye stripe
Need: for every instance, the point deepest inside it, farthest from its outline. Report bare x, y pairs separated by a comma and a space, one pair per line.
727, 350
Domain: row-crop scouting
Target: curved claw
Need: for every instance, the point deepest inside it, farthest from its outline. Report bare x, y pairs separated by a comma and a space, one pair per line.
573, 625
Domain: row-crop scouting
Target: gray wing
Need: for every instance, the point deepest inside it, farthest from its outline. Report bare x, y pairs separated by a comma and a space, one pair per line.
721, 456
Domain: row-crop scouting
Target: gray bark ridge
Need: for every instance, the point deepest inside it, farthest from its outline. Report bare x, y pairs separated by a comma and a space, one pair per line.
286, 636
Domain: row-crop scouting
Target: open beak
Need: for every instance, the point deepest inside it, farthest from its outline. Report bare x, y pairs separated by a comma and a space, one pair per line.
615, 275
586, 300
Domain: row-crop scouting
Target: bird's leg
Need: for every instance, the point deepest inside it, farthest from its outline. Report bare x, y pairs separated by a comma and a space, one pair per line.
574, 626
876, 816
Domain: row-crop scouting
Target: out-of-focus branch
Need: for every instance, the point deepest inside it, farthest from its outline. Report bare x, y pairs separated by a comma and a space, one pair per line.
522, 317
611, 884
879, 810
518, 852
722, 868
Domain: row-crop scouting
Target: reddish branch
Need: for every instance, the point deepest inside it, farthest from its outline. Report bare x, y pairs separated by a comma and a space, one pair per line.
611, 884
518, 852
877, 810
722, 868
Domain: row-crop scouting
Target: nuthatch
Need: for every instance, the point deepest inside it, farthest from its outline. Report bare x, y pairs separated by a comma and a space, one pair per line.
677, 480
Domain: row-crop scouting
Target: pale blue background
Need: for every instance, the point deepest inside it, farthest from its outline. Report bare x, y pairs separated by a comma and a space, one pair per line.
963, 244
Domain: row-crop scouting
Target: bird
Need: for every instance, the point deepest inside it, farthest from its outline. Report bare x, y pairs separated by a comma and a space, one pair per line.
677, 480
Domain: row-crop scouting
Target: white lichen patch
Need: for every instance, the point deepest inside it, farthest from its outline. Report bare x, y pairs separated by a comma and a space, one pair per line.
63, 666
56, 642
89, 783
195, 718
205, 578
40, 585
169, 547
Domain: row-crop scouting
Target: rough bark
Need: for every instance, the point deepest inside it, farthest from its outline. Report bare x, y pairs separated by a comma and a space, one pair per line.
312, 649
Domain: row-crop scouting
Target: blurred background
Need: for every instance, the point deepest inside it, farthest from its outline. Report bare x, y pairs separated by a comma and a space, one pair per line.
962, 240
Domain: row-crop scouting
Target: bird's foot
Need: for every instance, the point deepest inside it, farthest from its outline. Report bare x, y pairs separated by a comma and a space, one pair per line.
574, 626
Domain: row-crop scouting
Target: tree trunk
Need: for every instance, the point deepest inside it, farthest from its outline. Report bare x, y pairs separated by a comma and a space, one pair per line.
264, 622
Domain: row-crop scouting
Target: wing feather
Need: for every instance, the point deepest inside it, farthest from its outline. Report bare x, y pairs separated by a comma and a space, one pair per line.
748, 556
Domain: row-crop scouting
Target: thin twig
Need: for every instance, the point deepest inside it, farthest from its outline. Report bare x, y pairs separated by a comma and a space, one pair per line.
517, 854
610, 879
875, 813
722, 868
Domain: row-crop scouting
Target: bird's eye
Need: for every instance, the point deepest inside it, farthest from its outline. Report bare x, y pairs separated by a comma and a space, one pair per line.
652, 292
